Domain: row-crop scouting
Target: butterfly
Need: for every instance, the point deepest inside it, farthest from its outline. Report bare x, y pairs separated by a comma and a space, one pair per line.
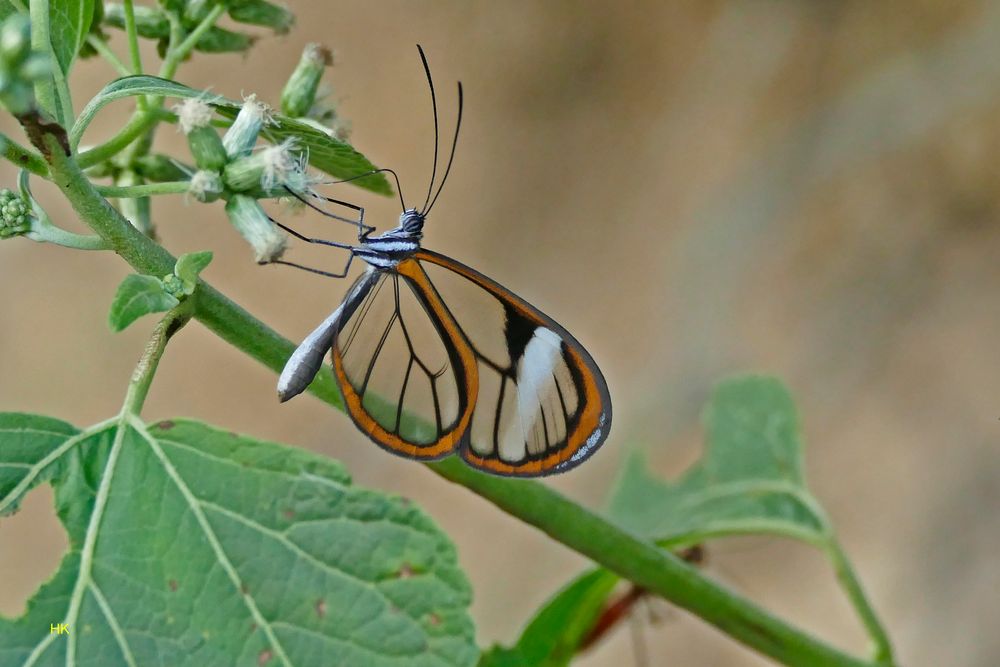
433, 358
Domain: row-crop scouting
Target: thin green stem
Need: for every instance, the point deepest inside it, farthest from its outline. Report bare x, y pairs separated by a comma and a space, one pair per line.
105, 52
529, 501
136, 126
177, 52
144, 190
882, 647
23, 157
133, 38
142, 376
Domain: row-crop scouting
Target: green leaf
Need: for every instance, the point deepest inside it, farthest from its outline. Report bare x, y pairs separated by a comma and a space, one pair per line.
6, 9
326, 153
28, 445
210, 548
554, 635
748, 481
69, 23
138, 295
189, 266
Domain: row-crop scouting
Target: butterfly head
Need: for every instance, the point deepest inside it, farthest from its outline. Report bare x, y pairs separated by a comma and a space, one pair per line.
411, 222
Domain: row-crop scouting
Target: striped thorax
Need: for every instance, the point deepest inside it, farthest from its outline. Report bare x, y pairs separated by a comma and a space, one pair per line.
390, 248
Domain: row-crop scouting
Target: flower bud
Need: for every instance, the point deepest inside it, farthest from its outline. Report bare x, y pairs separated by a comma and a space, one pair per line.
15, 215
173, 286
194, 116
262, 13
205, 186
268, 242
299, 94
241, 137
269, 168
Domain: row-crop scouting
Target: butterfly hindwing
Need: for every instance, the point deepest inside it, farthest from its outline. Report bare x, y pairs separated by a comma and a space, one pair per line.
543, 405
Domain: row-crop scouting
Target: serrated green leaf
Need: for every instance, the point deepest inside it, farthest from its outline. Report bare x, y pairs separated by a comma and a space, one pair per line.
69, 23
138, 295
326, 153
189, 266
554, 635
217, 549
749, 480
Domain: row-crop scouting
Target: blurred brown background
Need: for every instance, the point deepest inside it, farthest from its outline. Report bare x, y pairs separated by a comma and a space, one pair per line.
808, 189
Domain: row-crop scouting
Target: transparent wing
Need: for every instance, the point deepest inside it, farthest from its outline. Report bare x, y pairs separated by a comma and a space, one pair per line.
407, 382
543, 406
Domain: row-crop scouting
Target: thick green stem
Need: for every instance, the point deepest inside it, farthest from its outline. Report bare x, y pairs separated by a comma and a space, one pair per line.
529, 501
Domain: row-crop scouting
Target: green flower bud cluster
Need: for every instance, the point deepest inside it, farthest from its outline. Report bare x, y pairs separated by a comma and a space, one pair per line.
15, 214
233, 168
154, 22
19, 66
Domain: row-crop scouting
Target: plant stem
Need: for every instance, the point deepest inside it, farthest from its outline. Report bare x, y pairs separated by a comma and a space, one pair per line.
647, 566
142, 376
136, 126
179, 51
144, 190
133, 38
24, 157
529, 501
882, 648
105, 51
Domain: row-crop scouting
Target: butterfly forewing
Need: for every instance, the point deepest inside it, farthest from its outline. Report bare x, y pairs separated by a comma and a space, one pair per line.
542, 405
405, 381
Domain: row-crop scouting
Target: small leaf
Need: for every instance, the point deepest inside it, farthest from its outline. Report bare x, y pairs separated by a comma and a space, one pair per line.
69, 23
138, 295
554, 635
189, 266
218, 549
326, 153
749, 480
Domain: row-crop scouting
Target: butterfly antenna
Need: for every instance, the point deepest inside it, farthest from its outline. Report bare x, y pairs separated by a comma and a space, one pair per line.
454, 144
434, 105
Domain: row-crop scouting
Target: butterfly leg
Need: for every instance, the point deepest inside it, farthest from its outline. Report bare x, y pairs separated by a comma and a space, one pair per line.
363, 229
307, 239
328, 274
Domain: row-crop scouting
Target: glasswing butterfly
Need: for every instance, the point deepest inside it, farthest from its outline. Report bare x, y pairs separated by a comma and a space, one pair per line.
434, 358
